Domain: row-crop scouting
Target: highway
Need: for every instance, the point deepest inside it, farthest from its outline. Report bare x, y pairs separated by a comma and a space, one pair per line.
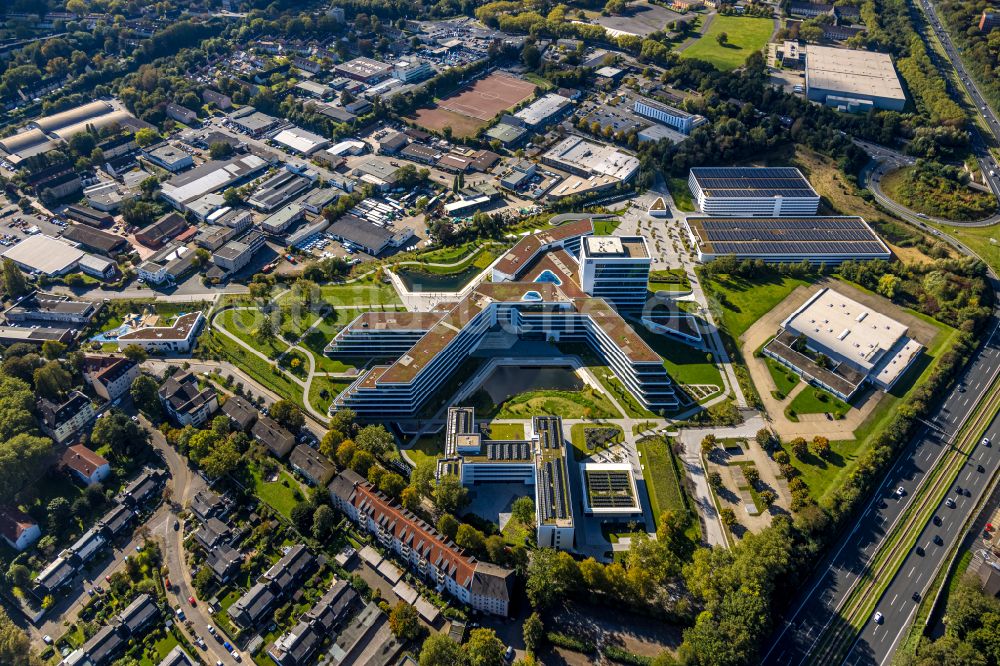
804, 625
986, 161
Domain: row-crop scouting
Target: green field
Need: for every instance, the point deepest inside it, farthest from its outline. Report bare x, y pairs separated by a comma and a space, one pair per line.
243, 323
743, 301
682, 194
746, 36
277, 494
661, 476
783, 377
584, 404
606, 227
675, 279
813, 400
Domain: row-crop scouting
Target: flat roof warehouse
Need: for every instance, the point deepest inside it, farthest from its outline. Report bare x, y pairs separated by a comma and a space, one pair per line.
853, 72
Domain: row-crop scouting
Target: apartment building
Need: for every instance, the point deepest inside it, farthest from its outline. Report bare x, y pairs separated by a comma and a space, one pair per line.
483, 586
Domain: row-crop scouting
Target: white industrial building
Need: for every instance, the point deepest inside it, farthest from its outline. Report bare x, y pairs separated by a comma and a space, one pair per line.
852, 80
680, 120
585, 158
753, 191
300, 141
861, 345
543, 110
210, 177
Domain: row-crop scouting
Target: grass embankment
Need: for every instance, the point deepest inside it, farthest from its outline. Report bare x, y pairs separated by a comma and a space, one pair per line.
477, 258
813, 400
675, 279
215, 345
937, 193
682, 195
606, 227
662, 476
583, 404
746, 35
368, 291
984, 241
783, 377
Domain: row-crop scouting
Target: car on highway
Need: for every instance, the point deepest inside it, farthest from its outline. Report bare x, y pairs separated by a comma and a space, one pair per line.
900, 491
919, 550
937, 520
878, 617
980, 468
950, 503
986, 441
938, 540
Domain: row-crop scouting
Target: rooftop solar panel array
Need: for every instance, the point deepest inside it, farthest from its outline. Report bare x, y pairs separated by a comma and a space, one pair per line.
788, 236
508, 451
609, 489
752, 182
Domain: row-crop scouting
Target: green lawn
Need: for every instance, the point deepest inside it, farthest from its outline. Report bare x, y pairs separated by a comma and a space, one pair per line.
578, 437
812, 400
333, 388
606, 227
586, 403
675, 279
366, 292
661, 476
427, 449
506, 431
746, 36
783, 377
743, 301
684, 364
280, 494
316, 342
243, 323
682, 194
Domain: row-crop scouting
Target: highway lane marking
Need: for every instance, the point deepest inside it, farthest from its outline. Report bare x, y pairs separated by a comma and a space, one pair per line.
911, 571
790, 621
893, 602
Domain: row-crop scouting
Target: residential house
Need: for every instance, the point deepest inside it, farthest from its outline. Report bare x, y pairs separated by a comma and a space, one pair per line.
185, 402
212, 534
268, 432
17, 528
206, 504
224, 561
142, 489
240, 412
313, 465
181, 114
65, 420
110, 377
85, 464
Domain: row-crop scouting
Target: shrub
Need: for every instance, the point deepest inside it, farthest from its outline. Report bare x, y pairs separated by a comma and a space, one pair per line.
570, 642
623, 656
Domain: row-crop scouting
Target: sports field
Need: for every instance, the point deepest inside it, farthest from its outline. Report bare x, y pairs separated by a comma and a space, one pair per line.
474, 106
